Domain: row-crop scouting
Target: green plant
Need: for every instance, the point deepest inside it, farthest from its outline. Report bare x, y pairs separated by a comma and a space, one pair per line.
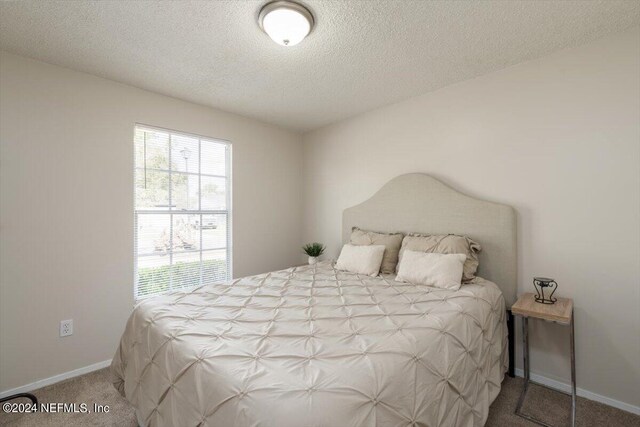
314, 249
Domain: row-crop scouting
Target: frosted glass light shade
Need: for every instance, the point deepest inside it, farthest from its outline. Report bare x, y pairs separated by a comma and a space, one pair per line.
287, 23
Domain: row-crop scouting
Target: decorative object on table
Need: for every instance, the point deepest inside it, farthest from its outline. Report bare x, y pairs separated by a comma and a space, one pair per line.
313, 250
542, 283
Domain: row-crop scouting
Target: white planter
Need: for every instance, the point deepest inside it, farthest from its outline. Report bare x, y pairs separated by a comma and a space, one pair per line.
313, 260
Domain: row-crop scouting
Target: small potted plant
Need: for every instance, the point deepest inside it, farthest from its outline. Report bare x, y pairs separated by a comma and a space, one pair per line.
314, 250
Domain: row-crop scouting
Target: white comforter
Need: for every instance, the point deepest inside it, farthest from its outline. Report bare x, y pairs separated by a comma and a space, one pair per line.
315, 347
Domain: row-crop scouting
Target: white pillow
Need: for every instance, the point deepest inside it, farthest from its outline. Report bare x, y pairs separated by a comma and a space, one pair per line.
431, 269
361, 259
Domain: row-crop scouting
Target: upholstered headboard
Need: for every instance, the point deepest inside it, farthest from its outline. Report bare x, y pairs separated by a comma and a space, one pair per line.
420, 203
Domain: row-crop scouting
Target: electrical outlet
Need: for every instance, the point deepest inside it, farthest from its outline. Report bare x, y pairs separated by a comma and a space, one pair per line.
66, 328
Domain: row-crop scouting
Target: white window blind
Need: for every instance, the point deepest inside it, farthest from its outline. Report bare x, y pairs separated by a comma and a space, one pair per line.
182, 211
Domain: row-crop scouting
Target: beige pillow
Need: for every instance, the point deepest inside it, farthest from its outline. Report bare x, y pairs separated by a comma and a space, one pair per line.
431, 269
445, 244
391, 242
364, 259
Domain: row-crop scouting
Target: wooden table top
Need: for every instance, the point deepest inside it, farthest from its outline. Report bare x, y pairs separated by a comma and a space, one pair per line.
560, 312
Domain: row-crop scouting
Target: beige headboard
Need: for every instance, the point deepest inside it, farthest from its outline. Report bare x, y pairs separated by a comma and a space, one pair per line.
420, 203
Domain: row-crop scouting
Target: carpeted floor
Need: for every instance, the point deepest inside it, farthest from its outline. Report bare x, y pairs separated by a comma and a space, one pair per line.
95, 387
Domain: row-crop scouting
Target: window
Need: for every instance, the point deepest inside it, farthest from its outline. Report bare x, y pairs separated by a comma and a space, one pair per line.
182, 211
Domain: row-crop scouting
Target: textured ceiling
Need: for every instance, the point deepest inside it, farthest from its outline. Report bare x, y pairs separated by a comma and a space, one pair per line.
361, 55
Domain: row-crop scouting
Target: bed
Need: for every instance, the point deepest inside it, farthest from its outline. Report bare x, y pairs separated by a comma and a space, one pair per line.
313, 346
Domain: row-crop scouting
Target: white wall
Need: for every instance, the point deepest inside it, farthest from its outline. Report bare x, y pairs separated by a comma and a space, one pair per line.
66, 196
557, 138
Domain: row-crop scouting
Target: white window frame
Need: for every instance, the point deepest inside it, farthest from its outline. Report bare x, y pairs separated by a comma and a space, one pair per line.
228, 211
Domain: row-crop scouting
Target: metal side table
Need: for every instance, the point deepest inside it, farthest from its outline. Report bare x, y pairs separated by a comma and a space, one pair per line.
562, 313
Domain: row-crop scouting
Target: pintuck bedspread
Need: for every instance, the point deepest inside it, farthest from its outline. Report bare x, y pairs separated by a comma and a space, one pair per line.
312, 346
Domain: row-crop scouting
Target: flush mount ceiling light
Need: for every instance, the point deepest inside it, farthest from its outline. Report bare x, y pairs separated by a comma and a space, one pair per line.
286, 22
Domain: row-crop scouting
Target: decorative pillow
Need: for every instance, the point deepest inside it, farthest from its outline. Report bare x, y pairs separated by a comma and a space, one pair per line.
391, 241
361, 259
445, 244
431, 269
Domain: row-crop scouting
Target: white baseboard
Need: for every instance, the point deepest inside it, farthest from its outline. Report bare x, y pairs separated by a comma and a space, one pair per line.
559, 385
55, 379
